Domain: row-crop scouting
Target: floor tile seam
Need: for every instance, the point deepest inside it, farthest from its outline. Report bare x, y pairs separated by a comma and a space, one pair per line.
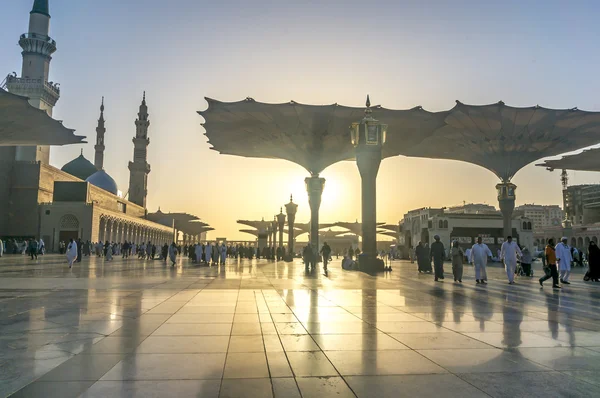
287, 359
538, 333
228, 345
562, 372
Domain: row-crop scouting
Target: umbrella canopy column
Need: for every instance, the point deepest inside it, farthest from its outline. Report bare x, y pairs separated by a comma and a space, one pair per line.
506, 200
314, 187
281, 223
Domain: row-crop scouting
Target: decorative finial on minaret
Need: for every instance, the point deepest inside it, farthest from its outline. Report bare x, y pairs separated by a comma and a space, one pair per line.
144, 99
102, 105
81, 151
291, 198
281, 210
368, 104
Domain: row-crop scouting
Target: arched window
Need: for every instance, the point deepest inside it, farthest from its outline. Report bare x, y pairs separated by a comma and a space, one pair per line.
441, 224
445, 223
529, 225
595, 239
524, 225
69, 222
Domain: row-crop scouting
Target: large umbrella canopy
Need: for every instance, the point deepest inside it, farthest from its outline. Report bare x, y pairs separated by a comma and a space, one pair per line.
390, 227
504, 139
22, 124
305, 227
259, 225
250, 231
313, 136
354, 227
588, 160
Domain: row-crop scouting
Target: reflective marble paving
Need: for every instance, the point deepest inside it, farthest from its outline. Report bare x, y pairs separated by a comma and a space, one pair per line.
135, 328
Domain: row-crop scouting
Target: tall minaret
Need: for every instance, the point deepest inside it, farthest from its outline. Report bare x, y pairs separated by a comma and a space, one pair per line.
139, 168
99, 147
38, 48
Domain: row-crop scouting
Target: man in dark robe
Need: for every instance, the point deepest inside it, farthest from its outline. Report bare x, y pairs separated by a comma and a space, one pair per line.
438, 254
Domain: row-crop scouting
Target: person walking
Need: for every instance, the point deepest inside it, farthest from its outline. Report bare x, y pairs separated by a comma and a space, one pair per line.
594, 261
508, 253
526, 261
326, 252
306, 257
71, 252
172, 251
437, 254
33, 248
480, 252
423, 259
458, 255
550, 265
564, 260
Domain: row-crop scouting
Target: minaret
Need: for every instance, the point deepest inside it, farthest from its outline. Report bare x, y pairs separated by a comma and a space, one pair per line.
139, 168
99, 147
38, 48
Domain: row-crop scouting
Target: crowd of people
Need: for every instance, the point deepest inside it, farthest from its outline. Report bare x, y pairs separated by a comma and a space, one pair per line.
557, 260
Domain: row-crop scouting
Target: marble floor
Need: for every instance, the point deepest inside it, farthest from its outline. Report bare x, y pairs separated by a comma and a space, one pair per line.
134, 328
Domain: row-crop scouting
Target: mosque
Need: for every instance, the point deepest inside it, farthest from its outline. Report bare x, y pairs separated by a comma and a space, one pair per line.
80, 200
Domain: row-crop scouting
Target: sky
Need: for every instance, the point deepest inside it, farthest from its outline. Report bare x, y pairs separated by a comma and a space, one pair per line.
402, 53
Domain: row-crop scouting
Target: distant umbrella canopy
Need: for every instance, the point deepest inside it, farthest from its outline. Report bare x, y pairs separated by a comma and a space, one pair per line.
504, 139
22, 124
588, 160
313, 136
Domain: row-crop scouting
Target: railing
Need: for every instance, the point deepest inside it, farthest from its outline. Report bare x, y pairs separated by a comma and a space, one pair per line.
50, 86
38, 37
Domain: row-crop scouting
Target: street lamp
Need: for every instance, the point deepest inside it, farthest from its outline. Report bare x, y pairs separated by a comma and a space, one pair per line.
368, 137
281, 222
291, 209
506, 200
274, 229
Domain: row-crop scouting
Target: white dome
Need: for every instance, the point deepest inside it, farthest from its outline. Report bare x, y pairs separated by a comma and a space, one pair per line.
102, 180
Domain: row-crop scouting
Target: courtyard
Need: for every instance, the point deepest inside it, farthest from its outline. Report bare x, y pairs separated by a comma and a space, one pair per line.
135, 328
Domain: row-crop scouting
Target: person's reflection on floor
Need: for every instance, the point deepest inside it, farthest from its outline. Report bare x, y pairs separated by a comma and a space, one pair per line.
512, 324
552, 304
438, 305
482, 308
458, 305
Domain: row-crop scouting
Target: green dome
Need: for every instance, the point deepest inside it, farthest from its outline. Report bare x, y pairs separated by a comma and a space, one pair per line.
40, 7
80, 167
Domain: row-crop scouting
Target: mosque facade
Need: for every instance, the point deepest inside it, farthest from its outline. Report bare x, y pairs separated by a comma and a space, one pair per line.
80, 200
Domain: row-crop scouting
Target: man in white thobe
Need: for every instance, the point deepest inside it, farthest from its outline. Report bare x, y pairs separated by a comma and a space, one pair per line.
564, 260
479, 257
508, 253
208, 253
71, 253
173, 253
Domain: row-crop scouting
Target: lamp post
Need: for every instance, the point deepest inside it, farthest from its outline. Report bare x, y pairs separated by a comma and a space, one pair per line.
368, 137
281, 222
274, 231
506, 200
291, 209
